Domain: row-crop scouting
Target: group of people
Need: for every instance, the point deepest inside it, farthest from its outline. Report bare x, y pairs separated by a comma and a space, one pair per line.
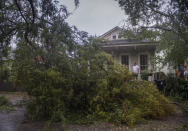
181, 72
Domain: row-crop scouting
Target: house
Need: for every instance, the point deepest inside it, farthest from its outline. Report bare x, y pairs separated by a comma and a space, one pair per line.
127, 52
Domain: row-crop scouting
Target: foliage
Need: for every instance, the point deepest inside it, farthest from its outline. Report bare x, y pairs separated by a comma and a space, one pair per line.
124, 101
3, 101
49, 91
38, 31
5, 105
144, 74
96, 90
35, 23
4, 74
181, 102
5, 64
176, 87
26, 18
134, 33
70, 80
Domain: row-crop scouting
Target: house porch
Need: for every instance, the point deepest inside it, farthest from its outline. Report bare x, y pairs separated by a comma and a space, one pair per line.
128, 54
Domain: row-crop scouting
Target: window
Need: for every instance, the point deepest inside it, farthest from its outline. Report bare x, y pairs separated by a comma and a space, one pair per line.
143, 62
114, 37
125, 60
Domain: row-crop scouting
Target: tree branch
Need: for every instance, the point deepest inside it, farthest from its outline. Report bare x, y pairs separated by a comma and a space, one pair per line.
158, 12
157, 27
160, 27
5, 34
46, 21
33, 11
19, 8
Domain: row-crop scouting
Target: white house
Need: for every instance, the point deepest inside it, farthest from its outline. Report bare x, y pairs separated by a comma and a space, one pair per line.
128, 52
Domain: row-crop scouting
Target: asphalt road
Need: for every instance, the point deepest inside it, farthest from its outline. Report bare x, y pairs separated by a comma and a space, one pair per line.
12, 121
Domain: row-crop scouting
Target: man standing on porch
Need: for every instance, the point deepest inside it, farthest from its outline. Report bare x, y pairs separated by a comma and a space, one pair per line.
136, 70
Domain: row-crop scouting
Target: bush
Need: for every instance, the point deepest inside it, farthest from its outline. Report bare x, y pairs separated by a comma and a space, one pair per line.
3, 101
145, 74
176, 87
130, 102
4, 74
116, 98
50, 94
5, 105
89, 87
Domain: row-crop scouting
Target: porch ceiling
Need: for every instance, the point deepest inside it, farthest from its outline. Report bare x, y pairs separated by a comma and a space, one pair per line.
129, 47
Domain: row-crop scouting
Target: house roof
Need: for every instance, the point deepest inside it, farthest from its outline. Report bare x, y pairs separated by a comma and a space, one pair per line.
110, 31
124, 42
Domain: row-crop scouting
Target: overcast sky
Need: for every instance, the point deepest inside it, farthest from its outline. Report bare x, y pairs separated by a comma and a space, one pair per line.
95, 16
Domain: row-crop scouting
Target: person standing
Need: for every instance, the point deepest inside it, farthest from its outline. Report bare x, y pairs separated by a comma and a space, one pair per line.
186, 73
136, 70
181, 71
176, 72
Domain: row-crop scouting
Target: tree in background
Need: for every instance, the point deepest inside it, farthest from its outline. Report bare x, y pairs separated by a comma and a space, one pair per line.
163, 20
32, 21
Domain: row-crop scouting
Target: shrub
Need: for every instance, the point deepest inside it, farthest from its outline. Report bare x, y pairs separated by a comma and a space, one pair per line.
115, 98
50, 94
176, 87
145, 74
89, 87
5, 105
3, 101
130, 102
4, 74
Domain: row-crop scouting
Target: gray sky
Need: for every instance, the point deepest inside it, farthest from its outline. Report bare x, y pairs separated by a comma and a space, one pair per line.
95, 16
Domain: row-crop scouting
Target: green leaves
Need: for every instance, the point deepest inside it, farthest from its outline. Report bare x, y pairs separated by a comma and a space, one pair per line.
176, 87
130, 103
89, 86
5, 105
